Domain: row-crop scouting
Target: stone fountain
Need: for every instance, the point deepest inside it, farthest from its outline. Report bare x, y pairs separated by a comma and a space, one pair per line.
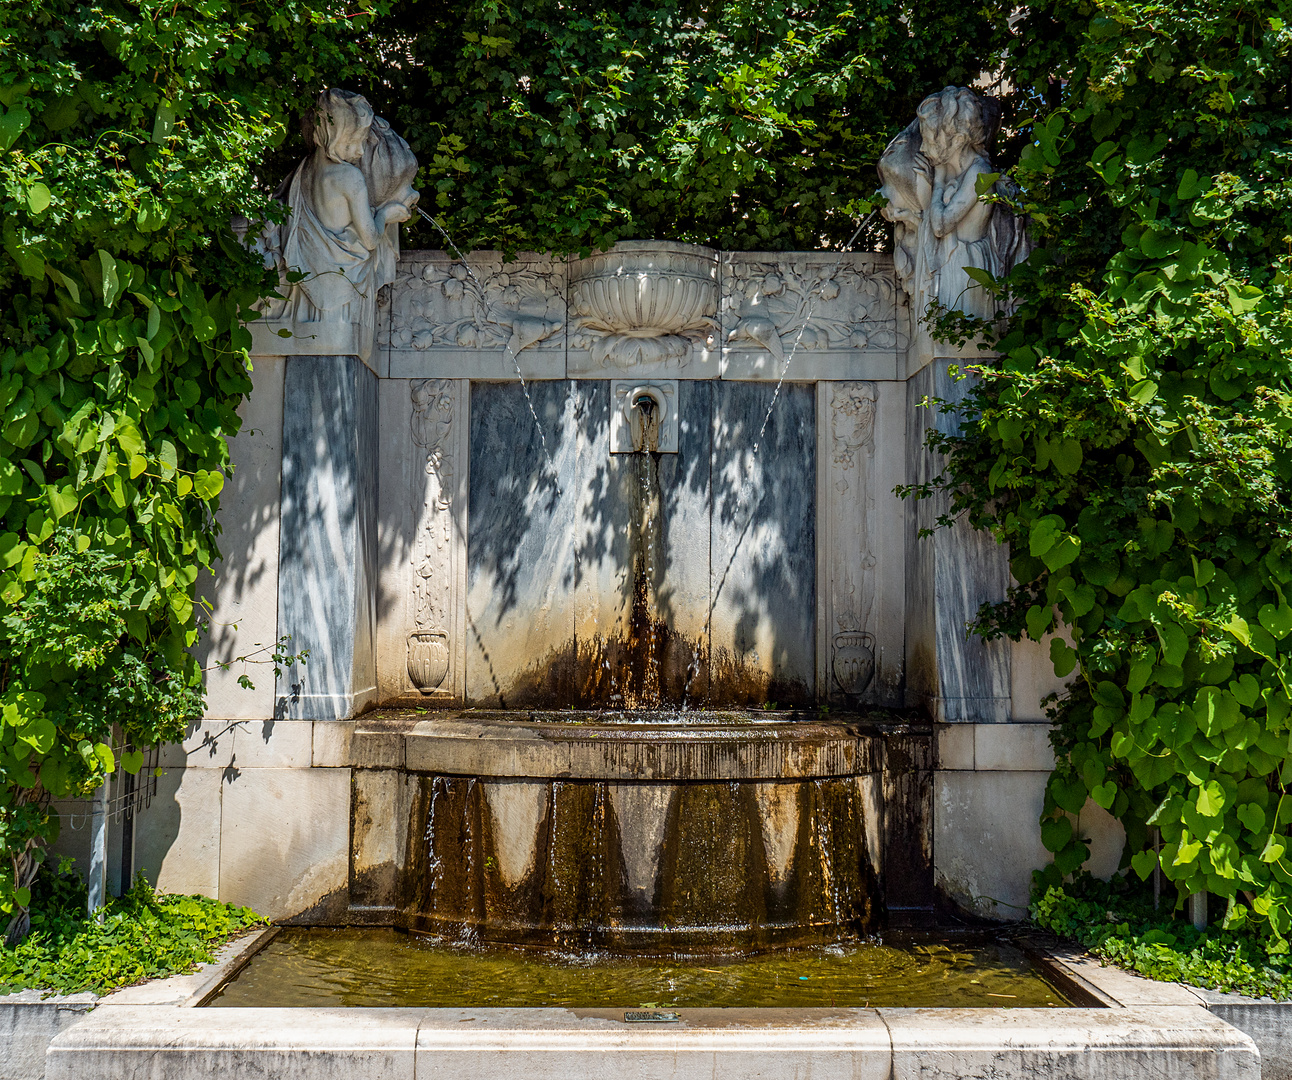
617, 633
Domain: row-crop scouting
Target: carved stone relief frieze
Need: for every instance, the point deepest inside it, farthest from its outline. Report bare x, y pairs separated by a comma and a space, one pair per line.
432, 428
424, 466
829, 316
480, 318
861, 552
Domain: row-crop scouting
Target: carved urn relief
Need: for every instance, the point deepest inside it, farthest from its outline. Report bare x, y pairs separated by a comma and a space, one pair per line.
645, 301
854, 661
428, 659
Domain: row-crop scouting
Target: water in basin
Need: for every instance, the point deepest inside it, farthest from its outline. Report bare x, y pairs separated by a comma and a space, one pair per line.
381, 967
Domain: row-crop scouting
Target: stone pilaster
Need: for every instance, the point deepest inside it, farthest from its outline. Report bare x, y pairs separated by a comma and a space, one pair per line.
327, 543
956, 675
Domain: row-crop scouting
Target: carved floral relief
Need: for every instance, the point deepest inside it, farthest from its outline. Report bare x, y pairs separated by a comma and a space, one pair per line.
853, 585
432, 431
496, 305
781, 304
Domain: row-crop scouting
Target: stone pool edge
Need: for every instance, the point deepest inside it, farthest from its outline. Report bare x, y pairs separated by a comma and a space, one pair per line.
1144, 1029
131, 1041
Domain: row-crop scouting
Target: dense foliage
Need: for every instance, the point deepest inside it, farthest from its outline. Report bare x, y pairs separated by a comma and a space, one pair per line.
140, 935
129, 134
1119, 924
567, 124
1134, 443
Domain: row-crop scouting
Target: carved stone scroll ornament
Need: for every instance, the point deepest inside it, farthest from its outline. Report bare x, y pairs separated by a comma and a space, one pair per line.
345, 201
428, 644
942, 227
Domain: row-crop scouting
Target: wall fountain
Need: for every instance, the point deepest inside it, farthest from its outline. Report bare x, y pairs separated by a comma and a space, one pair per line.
617, 633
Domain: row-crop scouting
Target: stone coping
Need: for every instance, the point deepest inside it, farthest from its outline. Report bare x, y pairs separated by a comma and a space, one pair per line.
125, 1042
479, 745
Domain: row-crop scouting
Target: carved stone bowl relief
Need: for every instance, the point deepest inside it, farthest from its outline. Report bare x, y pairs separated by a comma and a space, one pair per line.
644, 303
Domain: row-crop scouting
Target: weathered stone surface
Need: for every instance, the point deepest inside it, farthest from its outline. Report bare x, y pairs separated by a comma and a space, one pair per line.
128, 1042
331, 747
447, 323
1268, 1022
763, 550
785, 750
955, 675
986, 843
1093, 1044
327, 546
422, 539
28, 1024
177, 835
709, 1044
274, 744
284, 842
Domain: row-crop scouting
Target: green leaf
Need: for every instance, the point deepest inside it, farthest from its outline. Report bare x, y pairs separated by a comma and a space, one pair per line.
208, 485
1105, 794
1062, 554
1055, 833
13, 124
1066, 456
1191, 185
1069, 795
38, 198
164, 121
1211, 799
62, 501
1275, 848
1252, 817
132, 761
107, 285
1277, 620
1063, 657
1039, 617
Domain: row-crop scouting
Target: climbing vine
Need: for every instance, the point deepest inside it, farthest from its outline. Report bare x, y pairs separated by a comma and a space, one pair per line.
129, 135
1133, 444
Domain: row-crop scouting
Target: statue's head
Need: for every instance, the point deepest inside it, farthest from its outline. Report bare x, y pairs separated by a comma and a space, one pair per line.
339, 124
955, 119
389, 166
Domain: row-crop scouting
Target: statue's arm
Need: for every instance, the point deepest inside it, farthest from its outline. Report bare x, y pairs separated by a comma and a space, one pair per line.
946, 217
365, 223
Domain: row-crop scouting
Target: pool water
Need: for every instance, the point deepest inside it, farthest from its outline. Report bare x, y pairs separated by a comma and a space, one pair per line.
381, 967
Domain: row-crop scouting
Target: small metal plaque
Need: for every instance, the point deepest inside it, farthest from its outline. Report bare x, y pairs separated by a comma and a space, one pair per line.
651, 1018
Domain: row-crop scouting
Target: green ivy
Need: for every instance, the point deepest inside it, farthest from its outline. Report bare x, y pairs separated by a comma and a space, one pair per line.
1133, 445
130, 133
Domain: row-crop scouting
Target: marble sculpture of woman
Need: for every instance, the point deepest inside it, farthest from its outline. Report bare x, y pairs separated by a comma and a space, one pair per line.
346, 200
929, 174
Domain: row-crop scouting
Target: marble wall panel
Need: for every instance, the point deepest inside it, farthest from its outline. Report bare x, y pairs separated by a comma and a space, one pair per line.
861, 542
327, 541
763, 544
523, 515
422, 539
832, 315
955, 674
448, 322
642, 557
243, 591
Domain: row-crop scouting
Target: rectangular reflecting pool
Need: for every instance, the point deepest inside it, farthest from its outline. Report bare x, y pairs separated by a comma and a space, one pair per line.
304, 967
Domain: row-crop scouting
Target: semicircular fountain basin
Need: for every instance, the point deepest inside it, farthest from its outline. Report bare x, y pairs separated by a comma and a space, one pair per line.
643, 831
